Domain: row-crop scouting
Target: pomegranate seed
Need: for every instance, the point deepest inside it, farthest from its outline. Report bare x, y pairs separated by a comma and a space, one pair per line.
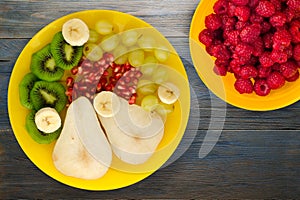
118, 76
109, 58
121, 87
105, 73
117, 69
88, 95
103, 81
127, 66
69, 81
69, 91
109, 87
138, 74
135, 80
99, 87
101, 62
74, 70
79, 70
112, 79
87, 64
82, 88
121, 82
132, 99
132, 89
70, 99
126, 93
127, 79
93, 90
75, 86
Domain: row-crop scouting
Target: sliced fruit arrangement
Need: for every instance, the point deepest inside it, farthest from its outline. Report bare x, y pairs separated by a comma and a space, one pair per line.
121, 73
257, 41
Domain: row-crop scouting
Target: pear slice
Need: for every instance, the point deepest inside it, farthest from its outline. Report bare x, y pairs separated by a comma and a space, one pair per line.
133, 133
82, 150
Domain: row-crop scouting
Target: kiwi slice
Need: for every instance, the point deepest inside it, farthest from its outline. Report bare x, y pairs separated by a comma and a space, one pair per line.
65, 55
37, 135
44, 67
48, 94
25, 87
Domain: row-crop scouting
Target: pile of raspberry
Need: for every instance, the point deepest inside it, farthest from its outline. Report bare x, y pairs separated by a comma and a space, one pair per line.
257, 40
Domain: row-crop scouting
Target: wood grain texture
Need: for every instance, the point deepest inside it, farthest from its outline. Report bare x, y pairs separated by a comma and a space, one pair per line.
257, 155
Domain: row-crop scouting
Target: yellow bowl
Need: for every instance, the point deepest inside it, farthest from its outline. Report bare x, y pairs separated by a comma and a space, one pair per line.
223, 87
115, 178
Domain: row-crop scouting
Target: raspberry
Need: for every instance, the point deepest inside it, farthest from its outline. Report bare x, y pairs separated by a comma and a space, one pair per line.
254, 18
294, 5
240, 25
264, 72
278, 19
253, 61
206, 37
242, 13
277, 4
232, 38
261, 87
290, 14
296, 52
288, 69
220, 62
265, 27
235, 66
281, 39
265, 9
268, 40
220, 51
211, 49
243, 86
295, 31
279, 56
240, 2
220, 70
220, 7
228, 22
276, 67
231, 9
243, 52
253, 3
289, 51
258, 46
250, 34
275, 80
293, 78
213, 22
247, 72
266, 60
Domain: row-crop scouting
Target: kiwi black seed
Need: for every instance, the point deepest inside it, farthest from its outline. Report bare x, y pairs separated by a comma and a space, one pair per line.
37, 135
25, 87
44, 66
65, 55
48, 94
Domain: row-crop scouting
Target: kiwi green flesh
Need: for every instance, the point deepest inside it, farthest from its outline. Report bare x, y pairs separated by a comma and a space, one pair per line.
37, 135
25, 87
65, 55
44, 67
48, 94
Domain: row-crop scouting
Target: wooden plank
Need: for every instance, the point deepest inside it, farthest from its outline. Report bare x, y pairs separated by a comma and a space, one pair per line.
24, 19
243, 164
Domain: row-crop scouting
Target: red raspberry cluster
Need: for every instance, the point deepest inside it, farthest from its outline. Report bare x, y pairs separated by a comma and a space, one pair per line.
257, 40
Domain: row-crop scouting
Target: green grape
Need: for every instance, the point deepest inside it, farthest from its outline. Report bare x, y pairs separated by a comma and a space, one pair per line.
160, 75
146, 42
129, 38
150, 65
92, 51
120, 54
146, 87
164, 109
162, 53
94, 36
136, 57
104, 27
110, 42
149, 102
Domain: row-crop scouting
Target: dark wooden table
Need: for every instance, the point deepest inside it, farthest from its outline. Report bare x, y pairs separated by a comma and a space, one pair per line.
257, 155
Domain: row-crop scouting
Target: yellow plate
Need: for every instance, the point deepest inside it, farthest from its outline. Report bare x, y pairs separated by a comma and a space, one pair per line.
40, 155
223, 87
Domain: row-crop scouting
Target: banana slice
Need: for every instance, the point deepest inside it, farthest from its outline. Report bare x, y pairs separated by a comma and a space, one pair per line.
168, 93
75, 32
47, 120
107, 104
